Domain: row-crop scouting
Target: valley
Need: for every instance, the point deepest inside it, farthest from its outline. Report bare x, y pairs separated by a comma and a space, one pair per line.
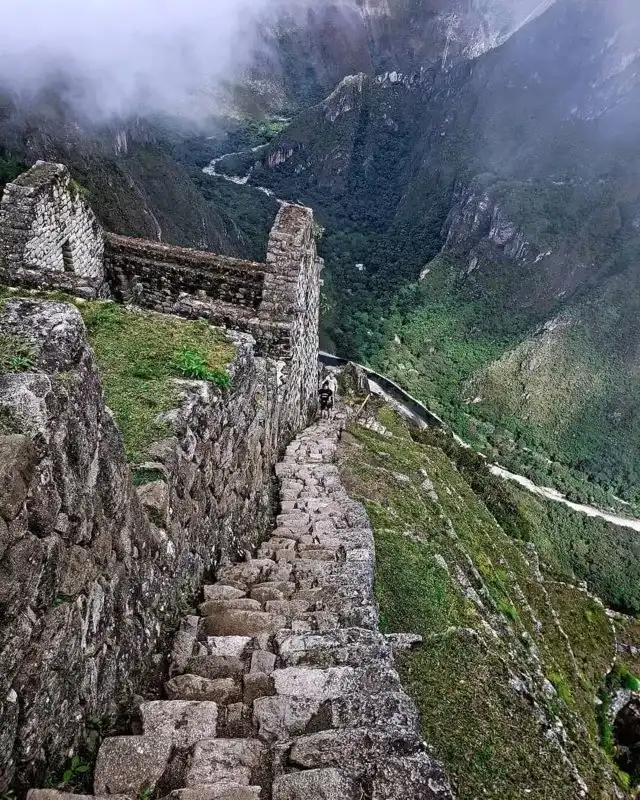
474, 174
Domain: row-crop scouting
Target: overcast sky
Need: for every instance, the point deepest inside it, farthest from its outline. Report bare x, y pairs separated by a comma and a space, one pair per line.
132, 55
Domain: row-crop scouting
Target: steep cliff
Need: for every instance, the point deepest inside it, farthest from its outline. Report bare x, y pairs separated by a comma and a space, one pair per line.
467, 208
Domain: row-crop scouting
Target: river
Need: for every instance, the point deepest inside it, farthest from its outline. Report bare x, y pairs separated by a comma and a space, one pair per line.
409, 410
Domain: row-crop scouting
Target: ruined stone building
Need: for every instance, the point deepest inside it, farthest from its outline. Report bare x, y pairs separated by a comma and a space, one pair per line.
283, 687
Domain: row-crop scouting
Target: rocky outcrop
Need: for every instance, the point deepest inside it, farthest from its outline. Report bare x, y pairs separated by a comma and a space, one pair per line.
283, 687
479, 229
93, 570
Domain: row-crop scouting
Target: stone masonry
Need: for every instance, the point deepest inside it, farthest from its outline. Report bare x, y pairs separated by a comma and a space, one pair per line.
283, 688
93, 570
49, 236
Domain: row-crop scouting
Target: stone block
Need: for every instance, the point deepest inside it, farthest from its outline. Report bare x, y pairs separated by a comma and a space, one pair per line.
185, 722
282, 718
315, 684
262, 661
194, 687
213, 667
17, 461
228, 645
218, 591
257, 684
210, 607
243, 623
233, 760
315, 784
130, 764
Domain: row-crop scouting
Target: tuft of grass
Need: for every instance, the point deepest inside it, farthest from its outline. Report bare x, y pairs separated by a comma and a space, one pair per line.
142, 476
15, 355
508, 609
193, 364
136, 354
561, 685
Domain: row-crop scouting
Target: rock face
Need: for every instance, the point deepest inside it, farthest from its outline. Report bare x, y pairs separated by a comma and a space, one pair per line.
313, 708
92, 569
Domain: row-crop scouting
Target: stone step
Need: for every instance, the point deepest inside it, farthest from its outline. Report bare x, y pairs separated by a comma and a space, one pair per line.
283, 688
237, 761
222, 691
132, 764
223, 791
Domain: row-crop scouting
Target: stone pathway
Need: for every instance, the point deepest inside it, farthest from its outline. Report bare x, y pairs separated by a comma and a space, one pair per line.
283, 688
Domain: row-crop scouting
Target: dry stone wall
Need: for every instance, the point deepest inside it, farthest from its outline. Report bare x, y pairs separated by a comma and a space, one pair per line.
49, 236
283, 688
156, 276
92, 570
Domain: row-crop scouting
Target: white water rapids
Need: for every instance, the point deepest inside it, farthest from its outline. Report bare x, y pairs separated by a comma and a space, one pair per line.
240, 180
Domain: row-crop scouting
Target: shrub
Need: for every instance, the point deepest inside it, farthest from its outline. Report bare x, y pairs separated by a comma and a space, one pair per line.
192, 364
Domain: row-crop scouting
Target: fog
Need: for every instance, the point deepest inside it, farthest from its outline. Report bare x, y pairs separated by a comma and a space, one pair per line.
127, 57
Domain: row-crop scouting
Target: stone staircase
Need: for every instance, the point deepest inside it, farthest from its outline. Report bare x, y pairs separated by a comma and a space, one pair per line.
283, 688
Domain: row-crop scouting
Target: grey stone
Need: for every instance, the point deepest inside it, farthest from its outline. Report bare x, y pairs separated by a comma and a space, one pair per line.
213, 667
185, 722
194, 687
284, 717
233, 760
315, 784
17, 460
129, 764
243, 623
218, 591
315, 684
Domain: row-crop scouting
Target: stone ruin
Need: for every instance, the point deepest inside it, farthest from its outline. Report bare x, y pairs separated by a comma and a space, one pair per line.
282, 688
49, 236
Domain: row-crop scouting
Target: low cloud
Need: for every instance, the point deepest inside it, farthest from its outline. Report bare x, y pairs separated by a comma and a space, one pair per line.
123, 57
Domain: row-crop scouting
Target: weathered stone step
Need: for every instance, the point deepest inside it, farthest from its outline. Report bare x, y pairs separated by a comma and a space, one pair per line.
243, 762
131, 764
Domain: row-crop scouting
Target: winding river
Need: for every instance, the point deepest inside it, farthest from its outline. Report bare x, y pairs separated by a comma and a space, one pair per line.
416, 411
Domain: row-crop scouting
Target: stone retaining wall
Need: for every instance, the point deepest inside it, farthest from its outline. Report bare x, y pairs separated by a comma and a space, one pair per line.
92, 570
283, 688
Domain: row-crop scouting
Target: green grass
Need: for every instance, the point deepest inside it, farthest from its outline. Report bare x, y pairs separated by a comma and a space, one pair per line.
15, 355
484, 730
140, 355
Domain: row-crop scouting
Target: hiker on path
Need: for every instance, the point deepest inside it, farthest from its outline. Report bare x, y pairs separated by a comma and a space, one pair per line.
326, 395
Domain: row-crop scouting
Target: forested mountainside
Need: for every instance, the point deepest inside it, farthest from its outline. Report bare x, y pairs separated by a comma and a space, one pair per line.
482, 238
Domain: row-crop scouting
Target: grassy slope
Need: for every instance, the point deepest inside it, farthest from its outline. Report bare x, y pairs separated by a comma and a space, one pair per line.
447, 570
138, 357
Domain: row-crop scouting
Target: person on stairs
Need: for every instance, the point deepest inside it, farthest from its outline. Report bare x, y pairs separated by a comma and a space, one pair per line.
327, 395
